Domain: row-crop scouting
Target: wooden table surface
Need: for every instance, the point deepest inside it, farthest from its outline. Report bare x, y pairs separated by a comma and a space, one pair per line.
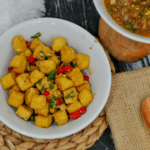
84, 14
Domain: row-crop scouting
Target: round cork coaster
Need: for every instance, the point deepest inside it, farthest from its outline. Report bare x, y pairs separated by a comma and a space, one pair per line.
120, 47
11, 140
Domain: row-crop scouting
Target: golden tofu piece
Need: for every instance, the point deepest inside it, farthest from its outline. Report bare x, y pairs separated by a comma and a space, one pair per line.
83, 86
74, 106
19, 44
35, 76
70, 95
57, 94
83, 61
85, 97
38, 102
35, 43
29, 94
41, 47
24, 112
43, 83
43, 121
76, 76
44, 111
14, 88
58, 44
56, 59
61, 117
63, 83
16, 99
19, 63
27, 53
8, 80
46, 66
23, 81
67, 54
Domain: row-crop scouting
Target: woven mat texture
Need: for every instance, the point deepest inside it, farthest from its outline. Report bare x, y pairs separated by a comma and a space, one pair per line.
123, 109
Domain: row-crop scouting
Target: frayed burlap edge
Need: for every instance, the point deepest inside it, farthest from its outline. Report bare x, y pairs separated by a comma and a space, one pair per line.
11, 140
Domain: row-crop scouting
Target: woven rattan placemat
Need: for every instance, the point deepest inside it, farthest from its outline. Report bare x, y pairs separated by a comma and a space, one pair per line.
11, 140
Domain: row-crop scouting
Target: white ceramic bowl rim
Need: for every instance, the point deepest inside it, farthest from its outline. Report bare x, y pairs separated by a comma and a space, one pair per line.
80, 127
107, 18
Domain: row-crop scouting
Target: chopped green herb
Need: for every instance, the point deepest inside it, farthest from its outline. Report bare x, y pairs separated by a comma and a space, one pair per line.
46, 58
51, 86
32, 118
108, 10
43, 90
56, 109
51, 75
42, 52
36, 35
53, 97
70, 95
38, 69
74, 64
130, 27
66, 64
51, 104
59, 58
40, 81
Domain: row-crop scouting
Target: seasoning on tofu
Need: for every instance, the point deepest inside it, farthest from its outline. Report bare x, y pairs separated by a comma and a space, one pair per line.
132, 15
46, 83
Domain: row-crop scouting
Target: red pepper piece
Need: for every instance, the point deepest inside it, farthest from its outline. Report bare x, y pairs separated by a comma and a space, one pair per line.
31, 58
59, 102
28, 44
75, 115
86, 78
46, 93
10, 69
60, 70
17, 74
67, 69
48, 100
21, 90
83, 110
34, 63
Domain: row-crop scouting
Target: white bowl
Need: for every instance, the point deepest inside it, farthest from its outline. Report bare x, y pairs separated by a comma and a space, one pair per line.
81, 41
99, 4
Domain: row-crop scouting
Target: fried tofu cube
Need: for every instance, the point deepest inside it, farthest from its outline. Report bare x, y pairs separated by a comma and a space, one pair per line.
23, 81
74, 106
42, 83
43, 121
67, 54
19, 63
46, 66
85, 97
58, 44
27, 53
61, 117
8, 80
83, 61
35, 76
70, 95
19, 44
44, 111
35, 43
16, 99
56, 59
76, 76
29, 94
38, 102
63, 83
24, 112
57, 94
83, 86
14, 88
41, 47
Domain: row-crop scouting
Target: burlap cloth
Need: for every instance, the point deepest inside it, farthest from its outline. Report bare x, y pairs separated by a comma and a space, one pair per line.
123, 109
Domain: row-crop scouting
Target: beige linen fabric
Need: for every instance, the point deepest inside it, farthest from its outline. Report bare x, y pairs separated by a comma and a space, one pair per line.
123, 109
